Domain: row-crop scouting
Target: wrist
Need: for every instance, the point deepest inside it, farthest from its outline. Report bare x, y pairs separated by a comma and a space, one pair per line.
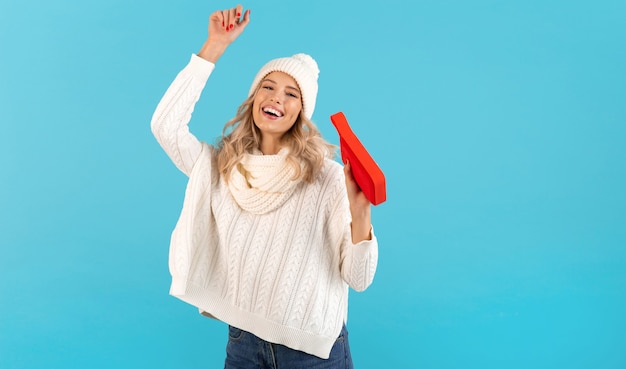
361, 231
361, 226
361, 214
212, 50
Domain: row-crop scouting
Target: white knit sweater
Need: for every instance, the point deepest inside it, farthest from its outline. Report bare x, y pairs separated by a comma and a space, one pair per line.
282, 275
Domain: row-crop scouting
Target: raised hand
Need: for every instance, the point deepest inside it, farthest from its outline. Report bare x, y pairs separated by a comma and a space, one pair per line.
226, 25
224, 28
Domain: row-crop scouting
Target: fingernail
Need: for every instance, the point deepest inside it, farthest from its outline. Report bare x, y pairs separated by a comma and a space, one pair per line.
239, 14
231, 26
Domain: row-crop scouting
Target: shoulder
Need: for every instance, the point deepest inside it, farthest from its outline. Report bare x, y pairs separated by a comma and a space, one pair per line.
331, 178
332, 184
332, 169
207, 161
208, 152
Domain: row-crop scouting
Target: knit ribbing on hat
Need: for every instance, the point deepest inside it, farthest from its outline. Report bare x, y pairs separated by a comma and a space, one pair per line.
262, 183
303, 69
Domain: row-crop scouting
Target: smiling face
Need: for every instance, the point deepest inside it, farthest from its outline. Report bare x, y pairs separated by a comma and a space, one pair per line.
276, 107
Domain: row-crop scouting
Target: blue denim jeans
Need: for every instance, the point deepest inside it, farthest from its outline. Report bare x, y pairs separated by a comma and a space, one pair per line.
247, 351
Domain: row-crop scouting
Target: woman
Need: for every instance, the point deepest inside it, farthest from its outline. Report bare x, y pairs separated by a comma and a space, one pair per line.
272, 231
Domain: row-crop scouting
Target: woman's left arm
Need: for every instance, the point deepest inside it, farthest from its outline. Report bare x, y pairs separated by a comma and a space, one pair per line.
350, 228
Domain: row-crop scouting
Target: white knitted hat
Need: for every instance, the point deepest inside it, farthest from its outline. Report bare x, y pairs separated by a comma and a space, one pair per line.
303, 69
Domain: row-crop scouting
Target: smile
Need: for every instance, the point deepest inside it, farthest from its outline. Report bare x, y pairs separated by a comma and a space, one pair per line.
268, 110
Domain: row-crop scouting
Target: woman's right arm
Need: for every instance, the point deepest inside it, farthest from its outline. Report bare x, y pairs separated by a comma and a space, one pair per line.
170, 120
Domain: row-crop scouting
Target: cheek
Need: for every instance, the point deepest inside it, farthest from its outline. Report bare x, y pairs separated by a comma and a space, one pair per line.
256, 103
295, 106
255, 111
257, 99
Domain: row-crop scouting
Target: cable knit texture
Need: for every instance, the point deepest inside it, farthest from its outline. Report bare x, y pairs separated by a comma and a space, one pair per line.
262, 183
279, 269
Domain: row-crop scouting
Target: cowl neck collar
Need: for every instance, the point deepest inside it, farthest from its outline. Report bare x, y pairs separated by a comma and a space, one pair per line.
262, 183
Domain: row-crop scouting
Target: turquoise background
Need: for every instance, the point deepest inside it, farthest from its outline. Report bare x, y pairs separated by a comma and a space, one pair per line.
500, 126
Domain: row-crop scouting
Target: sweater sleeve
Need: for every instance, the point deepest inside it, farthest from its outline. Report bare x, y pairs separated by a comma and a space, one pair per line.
170, 120
358, 261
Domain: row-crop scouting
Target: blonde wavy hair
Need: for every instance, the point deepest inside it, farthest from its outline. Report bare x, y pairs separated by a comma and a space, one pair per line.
307, 147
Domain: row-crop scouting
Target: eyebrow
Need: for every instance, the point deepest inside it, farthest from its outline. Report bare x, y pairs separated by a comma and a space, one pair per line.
288, 86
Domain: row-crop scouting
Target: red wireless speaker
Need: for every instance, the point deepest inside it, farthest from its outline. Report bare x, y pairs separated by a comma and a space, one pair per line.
366, 172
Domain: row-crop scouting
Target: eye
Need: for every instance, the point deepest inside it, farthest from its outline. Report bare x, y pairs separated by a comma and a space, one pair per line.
291, 94
268, 87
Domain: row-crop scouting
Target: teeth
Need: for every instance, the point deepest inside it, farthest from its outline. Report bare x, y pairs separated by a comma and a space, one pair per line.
273, 111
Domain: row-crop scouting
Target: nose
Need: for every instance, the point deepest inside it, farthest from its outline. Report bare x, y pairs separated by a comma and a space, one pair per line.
275, 98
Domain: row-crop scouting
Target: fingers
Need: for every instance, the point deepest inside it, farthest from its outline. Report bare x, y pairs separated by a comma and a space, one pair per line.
350, 182
225, 19
356, 197
231, 18
228, 19
246, 18
238, 12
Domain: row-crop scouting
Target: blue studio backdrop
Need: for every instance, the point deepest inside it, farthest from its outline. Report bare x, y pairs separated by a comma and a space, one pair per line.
500, 126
